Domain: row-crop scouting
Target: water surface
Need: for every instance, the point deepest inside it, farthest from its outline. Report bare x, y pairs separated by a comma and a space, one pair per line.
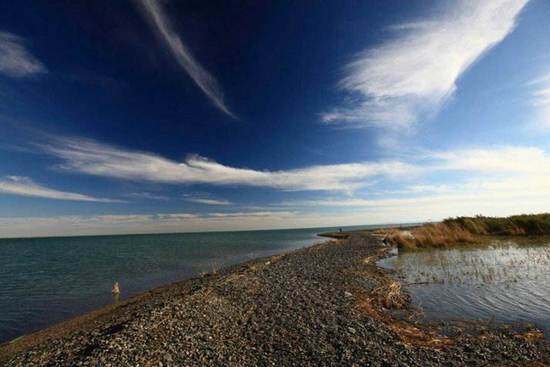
47, 280
505, 282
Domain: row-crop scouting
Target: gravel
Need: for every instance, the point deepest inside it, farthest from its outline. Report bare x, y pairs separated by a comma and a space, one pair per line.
318, 306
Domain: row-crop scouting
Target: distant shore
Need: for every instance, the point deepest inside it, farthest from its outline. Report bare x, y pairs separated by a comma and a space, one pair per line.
328, 304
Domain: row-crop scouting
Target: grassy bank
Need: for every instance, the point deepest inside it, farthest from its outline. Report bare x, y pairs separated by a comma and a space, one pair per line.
469, 230
526, 224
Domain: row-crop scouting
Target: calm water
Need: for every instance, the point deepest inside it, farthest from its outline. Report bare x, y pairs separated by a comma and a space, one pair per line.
47, 280
505, 282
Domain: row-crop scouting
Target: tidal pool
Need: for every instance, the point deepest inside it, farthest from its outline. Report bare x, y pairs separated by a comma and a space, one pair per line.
505, 282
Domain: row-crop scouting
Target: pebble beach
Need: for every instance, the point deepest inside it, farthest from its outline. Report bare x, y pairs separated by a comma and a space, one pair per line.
325, 305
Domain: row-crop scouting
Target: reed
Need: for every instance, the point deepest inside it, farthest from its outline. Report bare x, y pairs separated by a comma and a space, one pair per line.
525, 224
431, 235
467, 230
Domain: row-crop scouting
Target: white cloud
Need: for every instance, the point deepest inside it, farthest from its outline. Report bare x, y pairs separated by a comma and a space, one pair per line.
468, 195
414, 209
147, 196
15, 60
253, 214
23, 186
412, 75
103, 160
544, 79
503, 160
207, 201
204, 80
149, 223
540, 101
498, 181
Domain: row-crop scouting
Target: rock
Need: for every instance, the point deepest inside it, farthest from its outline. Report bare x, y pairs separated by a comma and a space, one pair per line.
289, 314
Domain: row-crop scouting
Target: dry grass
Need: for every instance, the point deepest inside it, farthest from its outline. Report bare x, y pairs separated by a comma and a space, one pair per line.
372, 305
531, 335
431, 235
370, 259
515, 225
466, 230
390, 296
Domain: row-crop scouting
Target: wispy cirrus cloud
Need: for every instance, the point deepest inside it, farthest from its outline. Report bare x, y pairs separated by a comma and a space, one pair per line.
24, 186
467, 193
497, 181
540, 101
202, 78
508, 160
207, 201
90, 157
15, 60
412, 75
150, 223
94, 158
493, 181
98, 159
147, 196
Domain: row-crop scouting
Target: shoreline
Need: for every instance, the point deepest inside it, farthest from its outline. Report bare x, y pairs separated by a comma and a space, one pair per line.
328, 299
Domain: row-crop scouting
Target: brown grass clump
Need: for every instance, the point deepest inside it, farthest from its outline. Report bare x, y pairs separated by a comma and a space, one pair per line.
390, 296
405, 331
515, 225
370, 259
431, 235
466, 230
531, 335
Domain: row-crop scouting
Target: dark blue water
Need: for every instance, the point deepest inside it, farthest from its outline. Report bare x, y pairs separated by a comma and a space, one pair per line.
47, 280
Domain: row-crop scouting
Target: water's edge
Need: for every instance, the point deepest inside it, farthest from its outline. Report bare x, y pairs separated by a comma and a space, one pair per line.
50, 280
504, 283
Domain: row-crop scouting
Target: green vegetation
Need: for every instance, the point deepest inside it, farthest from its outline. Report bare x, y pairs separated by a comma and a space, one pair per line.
468, 230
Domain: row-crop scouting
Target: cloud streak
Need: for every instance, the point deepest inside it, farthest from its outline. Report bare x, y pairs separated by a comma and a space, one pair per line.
147, 223
498, 181
492, 181
411, 76
202, 78
90, 157
24, 186
508, 160
207, 201
147, 196
93, 158
15, 60
540, 101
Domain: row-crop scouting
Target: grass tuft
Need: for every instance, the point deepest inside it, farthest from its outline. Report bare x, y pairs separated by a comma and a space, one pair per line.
516, 225
431, 235
467, 230
391, 296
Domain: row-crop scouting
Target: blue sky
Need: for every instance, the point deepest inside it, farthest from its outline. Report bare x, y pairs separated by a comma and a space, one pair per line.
166, 116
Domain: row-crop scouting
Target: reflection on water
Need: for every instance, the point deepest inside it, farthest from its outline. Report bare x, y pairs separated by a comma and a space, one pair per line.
505, 282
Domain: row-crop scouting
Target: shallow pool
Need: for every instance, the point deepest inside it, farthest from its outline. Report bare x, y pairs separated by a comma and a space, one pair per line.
504, 282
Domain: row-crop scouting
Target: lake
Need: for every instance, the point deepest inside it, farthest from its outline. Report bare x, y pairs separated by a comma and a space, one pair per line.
47, 280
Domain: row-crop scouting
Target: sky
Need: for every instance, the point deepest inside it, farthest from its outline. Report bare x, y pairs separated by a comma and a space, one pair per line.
149, 116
